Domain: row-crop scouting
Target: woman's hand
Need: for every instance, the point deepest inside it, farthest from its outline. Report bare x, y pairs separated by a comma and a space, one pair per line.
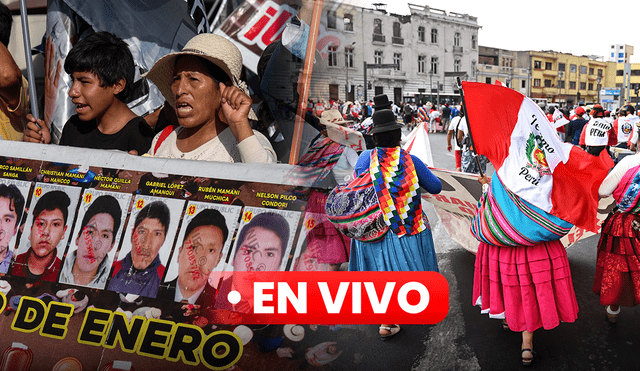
484, 179
235, 106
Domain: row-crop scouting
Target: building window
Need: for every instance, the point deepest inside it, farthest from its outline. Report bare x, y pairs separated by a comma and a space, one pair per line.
334, 91
537, 65
600, 72
348, 57
583, 86
397, 31
377, 26
572, 85
536, 83
377, 57
561, 84
572, 68
434, 65
434, 36
348, 22
590, 70
548, 65
474, 41
422, 64
524, 84
590, 86
583, 69
331, 19
487, 80
333, 56
561, 66
397, 60
457, 65
421, 34
456, 39
547, 83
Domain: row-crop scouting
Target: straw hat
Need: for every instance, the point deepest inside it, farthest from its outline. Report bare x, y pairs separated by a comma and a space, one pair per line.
332, 116
214, 48
294, 332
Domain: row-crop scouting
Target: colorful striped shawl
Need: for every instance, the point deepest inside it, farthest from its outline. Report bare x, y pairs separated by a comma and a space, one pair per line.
396, 181
627, 194
318, 162
504, 219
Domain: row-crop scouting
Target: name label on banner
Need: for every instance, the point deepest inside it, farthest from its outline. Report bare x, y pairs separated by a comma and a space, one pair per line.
342, 297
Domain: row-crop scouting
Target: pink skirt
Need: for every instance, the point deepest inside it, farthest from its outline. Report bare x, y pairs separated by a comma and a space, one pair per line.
529, 286
326, 244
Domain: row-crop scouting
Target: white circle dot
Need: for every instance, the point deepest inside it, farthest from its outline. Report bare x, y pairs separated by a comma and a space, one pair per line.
234, 297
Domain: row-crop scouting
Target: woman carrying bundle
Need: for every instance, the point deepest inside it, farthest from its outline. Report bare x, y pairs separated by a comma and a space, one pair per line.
526, 284
408, 245
617, 279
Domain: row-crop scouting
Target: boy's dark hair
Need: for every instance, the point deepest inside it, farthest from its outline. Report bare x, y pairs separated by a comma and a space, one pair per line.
51, 201
630, 109
388, 139
104, 204
6, 20
215, 72
276, 223
208, 217
105, 55
155, 210
16, 199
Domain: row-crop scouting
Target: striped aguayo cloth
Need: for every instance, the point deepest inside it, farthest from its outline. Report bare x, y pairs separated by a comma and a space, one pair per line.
627, 194
396, 182
504, 219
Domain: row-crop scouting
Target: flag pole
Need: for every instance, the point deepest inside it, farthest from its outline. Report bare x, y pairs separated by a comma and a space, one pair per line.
464, 109
27, 57
305, 82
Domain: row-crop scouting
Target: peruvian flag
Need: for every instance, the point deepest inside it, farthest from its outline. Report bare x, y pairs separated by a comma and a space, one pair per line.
559, 119
532, 162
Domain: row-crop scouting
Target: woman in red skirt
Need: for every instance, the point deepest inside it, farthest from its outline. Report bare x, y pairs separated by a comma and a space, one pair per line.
617, 279
528, 287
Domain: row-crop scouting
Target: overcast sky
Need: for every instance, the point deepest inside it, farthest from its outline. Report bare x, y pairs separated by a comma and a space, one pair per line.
585, 28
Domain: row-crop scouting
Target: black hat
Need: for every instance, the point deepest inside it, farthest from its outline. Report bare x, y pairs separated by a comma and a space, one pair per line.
384, 120
381, 101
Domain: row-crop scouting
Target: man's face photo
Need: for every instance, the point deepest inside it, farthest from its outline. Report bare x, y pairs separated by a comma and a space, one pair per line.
9, 222
95, 242
199, 255
261, 250
146, 240
47, 230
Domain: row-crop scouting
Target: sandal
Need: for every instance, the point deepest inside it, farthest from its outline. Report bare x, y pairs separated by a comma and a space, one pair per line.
392, 331
528, 361
612, 316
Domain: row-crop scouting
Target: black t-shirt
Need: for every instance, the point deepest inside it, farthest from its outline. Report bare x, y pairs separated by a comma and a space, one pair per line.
136, 134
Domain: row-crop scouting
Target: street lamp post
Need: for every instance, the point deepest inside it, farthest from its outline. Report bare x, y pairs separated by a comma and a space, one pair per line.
431, 85
346, 60
599, 79
560, 75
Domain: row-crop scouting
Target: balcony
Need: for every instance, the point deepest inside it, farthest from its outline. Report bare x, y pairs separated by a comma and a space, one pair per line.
397, 40
378, 38
457, 50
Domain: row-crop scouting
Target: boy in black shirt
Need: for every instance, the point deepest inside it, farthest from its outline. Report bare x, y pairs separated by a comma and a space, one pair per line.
102, 71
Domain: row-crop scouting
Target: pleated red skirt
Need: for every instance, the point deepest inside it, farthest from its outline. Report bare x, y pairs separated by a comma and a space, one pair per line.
617, 279
529, 286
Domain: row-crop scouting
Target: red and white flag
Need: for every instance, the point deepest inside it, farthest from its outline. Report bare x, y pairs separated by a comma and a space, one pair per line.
532, 162
559, 119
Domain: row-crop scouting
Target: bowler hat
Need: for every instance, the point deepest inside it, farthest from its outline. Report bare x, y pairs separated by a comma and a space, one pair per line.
384, 120
381, 101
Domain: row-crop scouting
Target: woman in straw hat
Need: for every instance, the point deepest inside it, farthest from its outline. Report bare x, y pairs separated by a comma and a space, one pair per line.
202, 83
408, 245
